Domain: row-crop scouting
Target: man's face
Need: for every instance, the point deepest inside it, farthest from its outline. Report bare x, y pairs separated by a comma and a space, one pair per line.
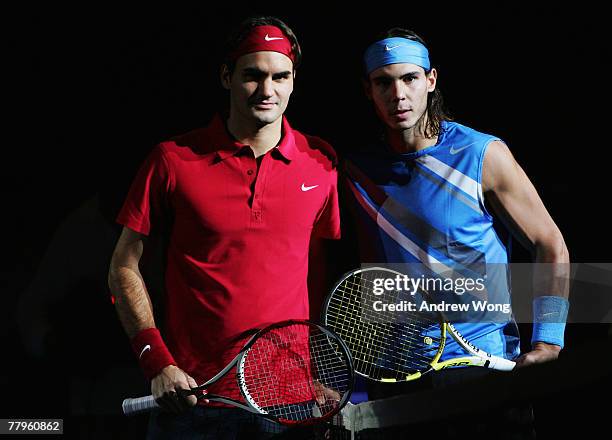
399, 93
260, 86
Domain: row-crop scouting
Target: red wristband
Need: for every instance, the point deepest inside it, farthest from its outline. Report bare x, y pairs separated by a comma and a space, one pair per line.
152, 353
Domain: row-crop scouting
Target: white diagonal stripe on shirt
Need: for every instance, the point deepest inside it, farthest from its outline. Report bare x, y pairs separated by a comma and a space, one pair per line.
431, 262
451, 175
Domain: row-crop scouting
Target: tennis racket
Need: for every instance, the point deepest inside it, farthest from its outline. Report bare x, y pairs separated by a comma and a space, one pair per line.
395, 347
293, 372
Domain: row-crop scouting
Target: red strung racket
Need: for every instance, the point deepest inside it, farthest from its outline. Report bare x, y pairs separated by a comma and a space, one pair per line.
293, 372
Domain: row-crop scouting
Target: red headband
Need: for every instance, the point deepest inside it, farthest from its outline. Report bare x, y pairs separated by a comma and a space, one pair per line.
264, 38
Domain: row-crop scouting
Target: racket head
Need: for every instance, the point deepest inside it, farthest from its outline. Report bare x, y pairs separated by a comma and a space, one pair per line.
296, 372
386, 346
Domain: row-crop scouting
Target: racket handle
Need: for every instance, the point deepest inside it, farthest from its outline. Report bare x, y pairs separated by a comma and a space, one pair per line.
502, 364
138, 405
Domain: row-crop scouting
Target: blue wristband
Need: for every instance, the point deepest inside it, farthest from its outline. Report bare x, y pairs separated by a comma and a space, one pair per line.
549, 317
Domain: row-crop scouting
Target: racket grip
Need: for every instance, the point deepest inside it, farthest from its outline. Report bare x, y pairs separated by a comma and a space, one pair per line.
502, 364
138, 405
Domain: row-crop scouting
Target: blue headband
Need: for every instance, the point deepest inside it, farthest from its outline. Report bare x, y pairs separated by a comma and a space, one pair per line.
394, 51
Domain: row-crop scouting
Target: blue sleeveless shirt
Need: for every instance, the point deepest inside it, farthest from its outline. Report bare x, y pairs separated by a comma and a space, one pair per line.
426, 208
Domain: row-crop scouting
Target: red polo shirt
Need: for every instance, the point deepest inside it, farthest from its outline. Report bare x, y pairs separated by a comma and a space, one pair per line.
239, 234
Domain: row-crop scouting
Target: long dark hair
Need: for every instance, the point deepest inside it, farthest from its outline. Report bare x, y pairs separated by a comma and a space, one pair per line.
436, 111
242, 30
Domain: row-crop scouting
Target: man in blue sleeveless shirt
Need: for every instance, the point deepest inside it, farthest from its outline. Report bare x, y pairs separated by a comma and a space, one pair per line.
418, 198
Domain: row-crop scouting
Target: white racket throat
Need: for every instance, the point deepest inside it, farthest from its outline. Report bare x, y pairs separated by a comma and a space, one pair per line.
494, 362
243, 386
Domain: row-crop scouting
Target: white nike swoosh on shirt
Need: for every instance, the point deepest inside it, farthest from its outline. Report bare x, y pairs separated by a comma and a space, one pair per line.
268, 38
454, 150
308, 188
146, 347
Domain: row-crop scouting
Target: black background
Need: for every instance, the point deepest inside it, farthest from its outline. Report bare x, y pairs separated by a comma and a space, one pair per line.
90, 89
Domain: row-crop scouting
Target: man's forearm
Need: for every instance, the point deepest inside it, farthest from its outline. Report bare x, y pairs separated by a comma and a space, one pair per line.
552, 268
136, 315
551, 293
132, 301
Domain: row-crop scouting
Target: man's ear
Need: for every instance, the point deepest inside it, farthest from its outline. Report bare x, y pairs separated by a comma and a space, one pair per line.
225, 76
432, 80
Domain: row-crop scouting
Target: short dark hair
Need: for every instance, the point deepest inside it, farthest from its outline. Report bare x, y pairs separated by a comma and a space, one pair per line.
241, 31
436, 111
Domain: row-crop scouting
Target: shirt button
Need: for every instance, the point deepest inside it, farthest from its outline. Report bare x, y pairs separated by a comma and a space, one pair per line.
249, 172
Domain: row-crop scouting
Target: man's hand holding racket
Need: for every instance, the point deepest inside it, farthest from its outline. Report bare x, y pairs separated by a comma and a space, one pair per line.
540, 353
170, 387
324, 394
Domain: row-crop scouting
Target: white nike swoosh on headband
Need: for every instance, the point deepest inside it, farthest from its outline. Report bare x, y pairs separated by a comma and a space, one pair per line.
268, 38
146, 347
387, 48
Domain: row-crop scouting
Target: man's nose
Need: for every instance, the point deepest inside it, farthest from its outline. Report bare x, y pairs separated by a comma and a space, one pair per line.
398, 91
266, 87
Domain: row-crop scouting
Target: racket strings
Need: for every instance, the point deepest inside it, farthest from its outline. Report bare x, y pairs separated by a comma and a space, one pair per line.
381, 342
296, 373
387, 339
411, 322
368, 352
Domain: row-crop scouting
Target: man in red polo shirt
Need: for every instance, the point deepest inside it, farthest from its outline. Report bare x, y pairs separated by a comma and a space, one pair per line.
241, 200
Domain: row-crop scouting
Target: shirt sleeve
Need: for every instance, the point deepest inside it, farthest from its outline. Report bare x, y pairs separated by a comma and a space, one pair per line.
328, 222
146, 205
